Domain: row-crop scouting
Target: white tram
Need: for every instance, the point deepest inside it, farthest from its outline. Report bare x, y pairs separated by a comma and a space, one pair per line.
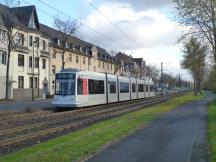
74, 88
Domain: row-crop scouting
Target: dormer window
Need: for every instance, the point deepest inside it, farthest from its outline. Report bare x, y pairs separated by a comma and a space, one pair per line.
81, 49
59, 42
71, 45
55, 40
66, 44
74, 47
87, 50
32, 22
20, 38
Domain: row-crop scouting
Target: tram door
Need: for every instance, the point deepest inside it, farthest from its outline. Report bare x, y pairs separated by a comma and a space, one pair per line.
82, 91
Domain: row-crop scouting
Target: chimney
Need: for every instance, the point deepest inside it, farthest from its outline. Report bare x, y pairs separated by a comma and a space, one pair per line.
18, 3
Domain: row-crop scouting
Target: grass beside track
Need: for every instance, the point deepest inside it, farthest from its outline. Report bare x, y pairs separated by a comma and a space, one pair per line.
212, 130
82, 143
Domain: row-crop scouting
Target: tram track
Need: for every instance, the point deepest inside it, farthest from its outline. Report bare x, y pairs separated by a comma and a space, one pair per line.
19, 135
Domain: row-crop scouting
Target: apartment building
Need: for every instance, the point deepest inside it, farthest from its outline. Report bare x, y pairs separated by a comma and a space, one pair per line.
128, 66
79, 54
38, 56
29, 62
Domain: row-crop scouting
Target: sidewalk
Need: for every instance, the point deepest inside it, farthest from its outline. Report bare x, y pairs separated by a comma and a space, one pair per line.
177, 136
21, 105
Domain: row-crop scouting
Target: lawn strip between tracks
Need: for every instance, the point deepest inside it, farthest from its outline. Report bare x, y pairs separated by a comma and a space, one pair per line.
83, 143
212, 130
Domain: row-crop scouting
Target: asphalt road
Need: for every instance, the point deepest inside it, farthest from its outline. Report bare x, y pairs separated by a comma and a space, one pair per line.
22, 105
177, 136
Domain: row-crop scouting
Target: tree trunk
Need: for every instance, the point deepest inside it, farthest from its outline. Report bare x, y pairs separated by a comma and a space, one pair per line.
195, 84
7, 76
63, 63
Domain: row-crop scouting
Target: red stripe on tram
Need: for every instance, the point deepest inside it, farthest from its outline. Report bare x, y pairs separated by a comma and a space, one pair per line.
85, 86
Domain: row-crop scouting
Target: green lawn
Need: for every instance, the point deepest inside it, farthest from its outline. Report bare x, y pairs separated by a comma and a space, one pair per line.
212, 130
82, 143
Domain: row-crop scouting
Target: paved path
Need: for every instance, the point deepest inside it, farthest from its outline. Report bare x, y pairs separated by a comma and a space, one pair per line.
177, 136
22, 105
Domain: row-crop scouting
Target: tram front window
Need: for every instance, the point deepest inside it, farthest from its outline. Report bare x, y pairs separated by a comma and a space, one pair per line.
65, 84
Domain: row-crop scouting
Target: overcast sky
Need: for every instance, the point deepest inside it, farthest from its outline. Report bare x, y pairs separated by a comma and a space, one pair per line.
149, 27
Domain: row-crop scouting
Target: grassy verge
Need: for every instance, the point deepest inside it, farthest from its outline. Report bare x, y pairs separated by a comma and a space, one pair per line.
212, 130
77, 145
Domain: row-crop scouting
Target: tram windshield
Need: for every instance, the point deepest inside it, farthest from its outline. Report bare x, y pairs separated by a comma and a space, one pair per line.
65, 84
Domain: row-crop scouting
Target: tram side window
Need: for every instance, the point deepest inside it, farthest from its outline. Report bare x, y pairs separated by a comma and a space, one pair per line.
133, 87
140, 88
96, 86
124, 87
151, 88
79, 87
147, 88
112, 87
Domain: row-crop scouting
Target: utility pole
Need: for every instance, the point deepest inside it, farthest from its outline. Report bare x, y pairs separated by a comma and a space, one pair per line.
161, 78
179, 82
33, 64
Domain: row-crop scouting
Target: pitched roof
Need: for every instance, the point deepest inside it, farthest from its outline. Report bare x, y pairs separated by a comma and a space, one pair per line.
22, 14
53, 33
123, 57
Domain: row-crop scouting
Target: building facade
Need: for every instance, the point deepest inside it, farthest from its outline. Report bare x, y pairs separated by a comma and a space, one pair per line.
38, 56
29, 61
78, 54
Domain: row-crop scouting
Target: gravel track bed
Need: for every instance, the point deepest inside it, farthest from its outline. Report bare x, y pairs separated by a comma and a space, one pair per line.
66, 122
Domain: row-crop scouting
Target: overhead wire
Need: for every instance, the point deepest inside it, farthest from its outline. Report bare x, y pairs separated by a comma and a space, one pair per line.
91, 28
100, 44
124, 49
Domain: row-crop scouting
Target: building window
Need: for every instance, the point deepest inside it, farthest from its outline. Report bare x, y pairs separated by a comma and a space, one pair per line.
20, 38
20, 81
54, 55
37, 42
77, 59
3, 35
70, 57
20, 60
124, 87
111, 66
103, 65
30, 41
36, 62
30, 61
53, 69
99, 64
96, 86
31, 82
3, 58
108, 66
44, 63
112, 86
53, 84
44, 45
84, 60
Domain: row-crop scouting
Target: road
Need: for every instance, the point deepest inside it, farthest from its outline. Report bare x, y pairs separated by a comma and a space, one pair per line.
22, 105
177, 136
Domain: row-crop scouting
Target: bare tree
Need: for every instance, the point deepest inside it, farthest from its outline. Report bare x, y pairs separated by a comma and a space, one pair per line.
11, 41
194, 60
153, 72
66, 29
200, 15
